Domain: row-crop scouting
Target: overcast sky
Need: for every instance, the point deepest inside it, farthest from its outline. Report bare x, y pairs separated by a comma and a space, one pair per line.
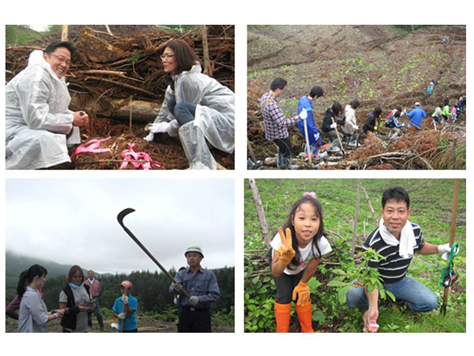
74, 221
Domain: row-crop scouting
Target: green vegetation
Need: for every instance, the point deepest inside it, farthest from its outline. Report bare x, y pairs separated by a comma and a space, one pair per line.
431, 204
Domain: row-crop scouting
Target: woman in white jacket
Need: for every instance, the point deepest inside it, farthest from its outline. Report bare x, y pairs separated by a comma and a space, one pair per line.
350, 127
196, 107
37, 118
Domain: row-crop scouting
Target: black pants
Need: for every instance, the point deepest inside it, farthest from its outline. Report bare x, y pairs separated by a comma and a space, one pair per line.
285, 153
285, 285
194, 320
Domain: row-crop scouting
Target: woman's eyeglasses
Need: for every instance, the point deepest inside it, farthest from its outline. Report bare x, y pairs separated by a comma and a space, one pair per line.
166, 56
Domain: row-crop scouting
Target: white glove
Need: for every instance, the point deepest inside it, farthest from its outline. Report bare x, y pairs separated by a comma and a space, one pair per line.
121, 316
150, 137
303, 114
403, 125
159, 127
178, 287
333, 125
125, 299
445, 250
194, 300
355, 127
316, 136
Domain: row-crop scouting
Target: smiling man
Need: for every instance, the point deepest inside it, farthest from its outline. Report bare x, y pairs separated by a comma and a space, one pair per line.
201, 285
397, 240
37, 119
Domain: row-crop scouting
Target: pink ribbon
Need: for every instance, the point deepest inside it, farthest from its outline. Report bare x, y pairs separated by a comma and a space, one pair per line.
139, 160
91, 147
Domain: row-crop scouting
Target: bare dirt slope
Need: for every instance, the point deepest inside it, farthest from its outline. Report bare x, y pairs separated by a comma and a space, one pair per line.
378, 65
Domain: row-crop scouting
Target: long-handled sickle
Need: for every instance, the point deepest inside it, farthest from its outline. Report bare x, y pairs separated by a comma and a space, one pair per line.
120, 217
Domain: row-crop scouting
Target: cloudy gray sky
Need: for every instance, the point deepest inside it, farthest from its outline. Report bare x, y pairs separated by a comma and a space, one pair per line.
74, 221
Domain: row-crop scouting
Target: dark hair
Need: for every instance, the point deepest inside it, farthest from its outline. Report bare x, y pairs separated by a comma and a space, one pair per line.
336, 108
354, 103
278, 83
377, 112
319, 208
26, 277
399, 108
396, 193
55, 45
316, 92
73, 270
397, 113
184, 55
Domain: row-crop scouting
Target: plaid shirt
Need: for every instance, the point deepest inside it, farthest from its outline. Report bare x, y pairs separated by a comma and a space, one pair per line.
275, 121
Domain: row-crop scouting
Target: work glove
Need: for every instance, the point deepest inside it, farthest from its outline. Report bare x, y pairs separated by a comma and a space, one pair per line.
121, 316
177, 287
355, 127
303, 114
159, 127
173, 128
124, 299
285, 252
333, 125
150, 137
193, 300
302, 291
445, 250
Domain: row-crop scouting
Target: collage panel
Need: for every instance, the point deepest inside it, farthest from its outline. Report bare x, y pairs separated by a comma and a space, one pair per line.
356, 97
108, 256
120, 97
355, 255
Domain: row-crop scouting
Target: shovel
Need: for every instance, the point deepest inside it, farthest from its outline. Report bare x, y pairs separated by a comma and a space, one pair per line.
308, 147
120, 218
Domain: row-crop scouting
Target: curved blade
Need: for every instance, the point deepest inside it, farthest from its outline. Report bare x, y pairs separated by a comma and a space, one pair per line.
124, 213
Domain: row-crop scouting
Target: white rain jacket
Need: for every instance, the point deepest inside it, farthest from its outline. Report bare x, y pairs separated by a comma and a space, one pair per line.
214, 119
36, 117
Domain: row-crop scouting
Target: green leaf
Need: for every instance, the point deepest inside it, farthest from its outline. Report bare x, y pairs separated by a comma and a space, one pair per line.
336, 283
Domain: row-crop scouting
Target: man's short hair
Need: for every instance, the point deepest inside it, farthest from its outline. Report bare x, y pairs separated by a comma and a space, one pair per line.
316, 92
397, 194
278, 83
55, 45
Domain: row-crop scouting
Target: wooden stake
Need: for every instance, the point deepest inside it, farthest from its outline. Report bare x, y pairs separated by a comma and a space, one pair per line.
376, 223
308, 147
131, 106
260, 212
356, 217
64, 33
205, 50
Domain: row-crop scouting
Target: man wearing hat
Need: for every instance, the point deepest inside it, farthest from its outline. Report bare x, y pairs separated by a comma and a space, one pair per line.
201, 285
416, 116
125, 308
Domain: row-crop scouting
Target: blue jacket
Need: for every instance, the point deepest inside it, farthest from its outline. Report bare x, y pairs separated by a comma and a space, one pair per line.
313, 133
416, 116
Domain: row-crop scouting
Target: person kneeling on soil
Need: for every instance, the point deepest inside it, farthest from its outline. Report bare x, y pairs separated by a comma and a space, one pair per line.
372, 122
276, 124
295, 257
196, 107
416, 116
306, 103
351, 129
397, 239
125, 308
329, 125
394, 126
38, 123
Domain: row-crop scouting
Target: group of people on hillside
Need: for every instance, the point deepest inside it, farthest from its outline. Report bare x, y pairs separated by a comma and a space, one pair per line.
276, 124
79, 299
300, 245
40, 126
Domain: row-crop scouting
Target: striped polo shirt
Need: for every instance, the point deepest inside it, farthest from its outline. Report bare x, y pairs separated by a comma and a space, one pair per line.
394, 267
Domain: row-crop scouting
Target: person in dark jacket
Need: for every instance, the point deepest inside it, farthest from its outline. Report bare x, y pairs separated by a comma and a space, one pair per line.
328, 128
76, 300
372, 122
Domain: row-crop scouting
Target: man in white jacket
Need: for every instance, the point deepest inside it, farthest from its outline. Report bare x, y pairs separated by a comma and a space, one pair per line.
37, 119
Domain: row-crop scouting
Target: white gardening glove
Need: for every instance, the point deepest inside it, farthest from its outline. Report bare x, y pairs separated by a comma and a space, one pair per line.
194, 300
150, 137
303, 114
178, 287
333, 125
159, 127
173, 128
355, 127
403, 125
125, 299
121, 316
445, 250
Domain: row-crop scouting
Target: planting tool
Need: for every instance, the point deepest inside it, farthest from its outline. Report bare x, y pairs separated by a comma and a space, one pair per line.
338, 137
308, 147
120, 218
448, 275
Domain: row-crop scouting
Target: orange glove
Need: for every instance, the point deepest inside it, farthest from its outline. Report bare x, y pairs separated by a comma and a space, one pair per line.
302, 290
285, 252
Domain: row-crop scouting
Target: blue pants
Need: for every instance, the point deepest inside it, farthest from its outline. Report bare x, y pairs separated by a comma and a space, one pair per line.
418, 296
184, 112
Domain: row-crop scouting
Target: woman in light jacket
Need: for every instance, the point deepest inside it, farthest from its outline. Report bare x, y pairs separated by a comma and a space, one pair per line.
196, 107
351, 128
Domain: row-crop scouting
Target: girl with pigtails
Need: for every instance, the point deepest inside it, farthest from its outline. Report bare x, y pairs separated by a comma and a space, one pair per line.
296, 255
